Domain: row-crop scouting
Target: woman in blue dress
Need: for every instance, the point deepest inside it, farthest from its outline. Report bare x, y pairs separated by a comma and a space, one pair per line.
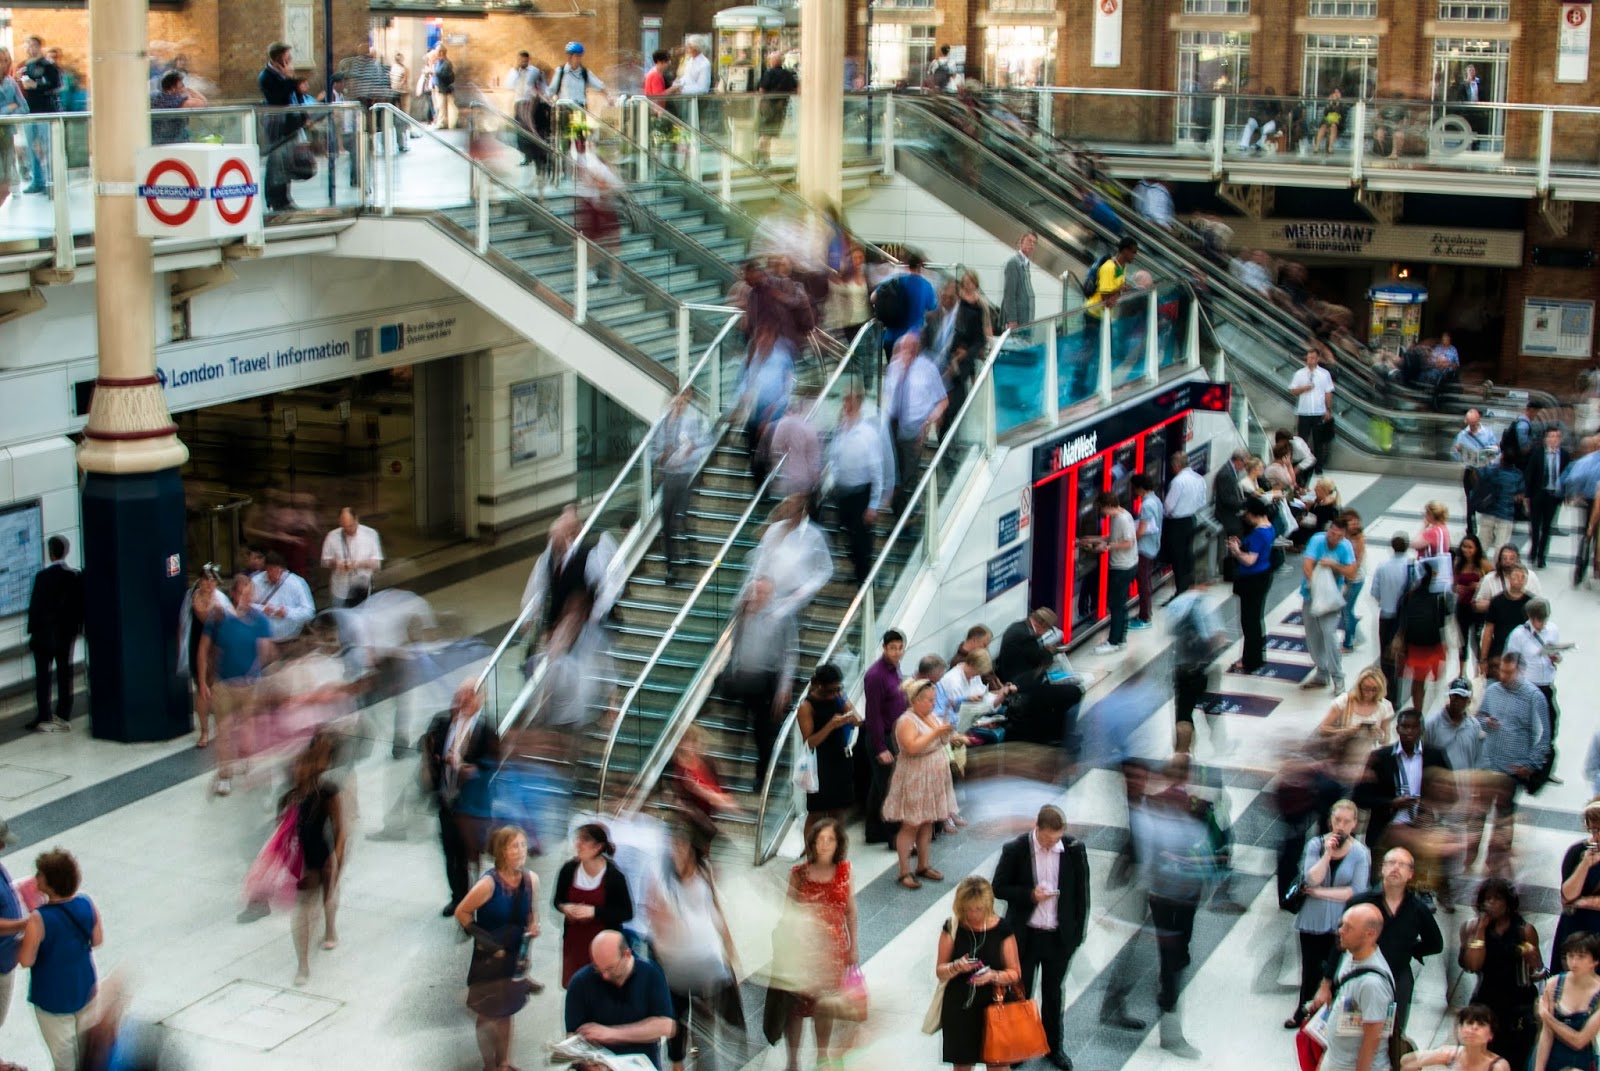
1569, 1010
500, 913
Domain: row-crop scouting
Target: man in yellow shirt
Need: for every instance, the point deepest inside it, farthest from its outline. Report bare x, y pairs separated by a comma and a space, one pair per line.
1109, 279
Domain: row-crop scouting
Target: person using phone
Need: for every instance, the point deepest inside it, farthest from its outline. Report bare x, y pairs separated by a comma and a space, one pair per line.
1332, 868
1580, 884
977, 953
826, 719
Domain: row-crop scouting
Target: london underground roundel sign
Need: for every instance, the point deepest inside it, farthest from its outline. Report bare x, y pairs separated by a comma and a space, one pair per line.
242, 190
187, 192
198, 190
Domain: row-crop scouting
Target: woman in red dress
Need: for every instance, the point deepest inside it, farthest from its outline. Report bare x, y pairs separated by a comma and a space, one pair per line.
591, 894
822, 884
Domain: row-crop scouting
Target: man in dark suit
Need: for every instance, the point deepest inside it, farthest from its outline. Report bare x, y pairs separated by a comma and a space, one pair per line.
1391, 787
1227, 500
1043, 876
55, 618
459, 751
1541, 475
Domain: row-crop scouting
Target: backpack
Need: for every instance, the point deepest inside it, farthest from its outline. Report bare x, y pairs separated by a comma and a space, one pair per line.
939, 76
1483, 495
890, 303
561, 73
1518, 437
1091, 280
1422, 618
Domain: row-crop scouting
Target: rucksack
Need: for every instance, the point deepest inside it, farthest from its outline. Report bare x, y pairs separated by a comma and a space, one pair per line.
890, 303
1091, 280
1422, 618
1483, 495
561, 72
939, 76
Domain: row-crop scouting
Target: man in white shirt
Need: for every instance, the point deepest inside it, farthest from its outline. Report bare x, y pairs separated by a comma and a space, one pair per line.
682, 442
860, 459
1186, 496
284, 597
527, 84
793, 554
694, 77
916, 400
352, 555
1312, 387
1538, 641
1476, 445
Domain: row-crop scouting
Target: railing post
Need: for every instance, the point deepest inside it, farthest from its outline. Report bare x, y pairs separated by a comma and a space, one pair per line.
1052, 374
930, 515
716, 384
683, 346
1547, 129
480, 195
1219, 117
66, 251
991, 421
1358, 138
1191, 346
1045, 114
693, 120
364, 149
725, 178
888, 132
1244, 420
391, 157
257, 238
1152, 338
647, 498
869, 632
1104, 390
580, 276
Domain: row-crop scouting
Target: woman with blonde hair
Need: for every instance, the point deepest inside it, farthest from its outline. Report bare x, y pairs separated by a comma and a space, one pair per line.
12, 102
1323, 508
921, 791
500, 913
1358, 721
1333, 868
977, 954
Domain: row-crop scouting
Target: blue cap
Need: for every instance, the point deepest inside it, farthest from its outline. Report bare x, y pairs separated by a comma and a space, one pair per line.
574, 48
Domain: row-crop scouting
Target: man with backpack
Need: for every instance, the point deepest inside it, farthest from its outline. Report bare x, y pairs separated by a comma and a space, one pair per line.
570, 87
1362, 994
940, 73
1101, 287
902, 302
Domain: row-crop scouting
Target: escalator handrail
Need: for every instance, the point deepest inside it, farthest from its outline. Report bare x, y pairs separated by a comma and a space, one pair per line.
841, 634
717, 561
645, 286
599, 508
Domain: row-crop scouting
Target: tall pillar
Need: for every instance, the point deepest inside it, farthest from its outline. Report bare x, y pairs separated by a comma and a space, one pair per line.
822, 26
133, 509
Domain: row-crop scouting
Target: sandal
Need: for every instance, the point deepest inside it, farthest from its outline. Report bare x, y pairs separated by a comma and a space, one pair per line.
930, 873
910, 882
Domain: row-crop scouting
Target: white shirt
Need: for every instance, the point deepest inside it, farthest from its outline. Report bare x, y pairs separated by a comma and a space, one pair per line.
682, 441
525, 83
1046, 876
569, 85
955, 689
597, 577
795, 557
292, 595
1186, 496
695, 78
1410, 774
1313, 402
364, 546
856, 457
1537, 667
915, 402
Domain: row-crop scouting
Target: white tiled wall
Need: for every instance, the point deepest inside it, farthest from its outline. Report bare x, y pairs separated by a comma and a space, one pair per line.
498, 371
898, 210
45, 470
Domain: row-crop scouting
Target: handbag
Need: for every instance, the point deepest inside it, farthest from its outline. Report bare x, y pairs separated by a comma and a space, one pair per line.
849, 1002
275, 875
805, 772
302, 162
1326, 597
1012, 1029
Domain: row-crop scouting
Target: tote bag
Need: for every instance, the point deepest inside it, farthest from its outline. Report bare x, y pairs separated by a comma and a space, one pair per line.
275, 875
1013, 1032
1326, 598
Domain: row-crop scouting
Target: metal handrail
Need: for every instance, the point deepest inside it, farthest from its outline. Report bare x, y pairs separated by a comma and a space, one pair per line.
974, 394
523, 614
1169, 94
694, 595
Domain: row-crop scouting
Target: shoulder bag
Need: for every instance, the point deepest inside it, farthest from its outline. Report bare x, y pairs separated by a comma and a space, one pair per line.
1013, 1032
1326, 595
1312, 1040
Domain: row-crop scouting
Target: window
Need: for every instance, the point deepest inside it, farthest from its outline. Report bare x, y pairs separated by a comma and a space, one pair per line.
1015, 56
900, 52
1475, 10
1208, 62
1468, 71
1011, 7
902, 4
1344, 9
1216, 7
1346, 62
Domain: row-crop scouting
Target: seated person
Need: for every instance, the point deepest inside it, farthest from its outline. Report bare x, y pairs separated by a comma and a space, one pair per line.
1399, 131
1042, 711
619, 1002
1330, 119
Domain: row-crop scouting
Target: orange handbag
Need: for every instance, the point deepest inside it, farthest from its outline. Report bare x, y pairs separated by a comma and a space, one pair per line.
1012, 1029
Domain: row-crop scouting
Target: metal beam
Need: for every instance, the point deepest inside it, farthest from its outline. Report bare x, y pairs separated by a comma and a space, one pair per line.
1384, 206
1253, 201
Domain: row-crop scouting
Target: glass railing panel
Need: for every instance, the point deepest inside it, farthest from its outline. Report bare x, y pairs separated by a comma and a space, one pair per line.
1133, 121
863, 127
1130, 324
30, 213
1019, 376
1575, 142
317, 151
1172, 324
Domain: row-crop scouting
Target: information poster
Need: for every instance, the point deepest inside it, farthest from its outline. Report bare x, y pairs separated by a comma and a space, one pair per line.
1107, 51
21, 555
535, 419
1572, 43
1556, 327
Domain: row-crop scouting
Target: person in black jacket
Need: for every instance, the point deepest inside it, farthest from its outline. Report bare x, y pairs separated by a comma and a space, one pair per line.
592, 896
1043, 876
1409, 932
277, 84
1391, 787
1022, 645
458, 752
55, 618
1541, 475
1227, 502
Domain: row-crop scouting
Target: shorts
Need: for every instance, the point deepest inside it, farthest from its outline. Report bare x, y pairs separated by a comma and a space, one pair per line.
1425, 663
232, 699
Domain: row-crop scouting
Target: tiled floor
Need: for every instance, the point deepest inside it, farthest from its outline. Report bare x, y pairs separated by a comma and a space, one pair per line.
165, 864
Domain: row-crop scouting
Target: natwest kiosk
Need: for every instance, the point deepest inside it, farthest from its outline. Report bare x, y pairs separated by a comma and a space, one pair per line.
1104, 453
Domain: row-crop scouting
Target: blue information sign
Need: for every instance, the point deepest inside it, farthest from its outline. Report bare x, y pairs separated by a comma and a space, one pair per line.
1005, 571
1010, 526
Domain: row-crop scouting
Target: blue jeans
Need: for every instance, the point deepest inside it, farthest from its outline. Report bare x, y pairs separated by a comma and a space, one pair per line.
38, 136
1347, 618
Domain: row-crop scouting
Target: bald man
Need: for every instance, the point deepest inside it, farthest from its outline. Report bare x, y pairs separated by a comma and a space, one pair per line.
1362, 996
619, 1002
567, 571
459, 752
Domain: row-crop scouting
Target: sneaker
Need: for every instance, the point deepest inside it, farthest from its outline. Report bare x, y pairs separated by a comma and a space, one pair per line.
222, 788
58, 725
1139, 624
1337, 686
1109, 648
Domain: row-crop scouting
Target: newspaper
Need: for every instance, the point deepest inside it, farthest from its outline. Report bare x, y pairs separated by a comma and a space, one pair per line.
575, 1050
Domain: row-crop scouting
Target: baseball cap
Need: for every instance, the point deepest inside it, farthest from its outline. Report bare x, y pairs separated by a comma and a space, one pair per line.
1461, 686
574, 48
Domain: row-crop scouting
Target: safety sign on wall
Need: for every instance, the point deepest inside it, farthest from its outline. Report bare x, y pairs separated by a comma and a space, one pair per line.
198, 191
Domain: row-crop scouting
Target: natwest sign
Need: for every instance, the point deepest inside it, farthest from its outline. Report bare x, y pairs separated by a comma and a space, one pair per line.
198, 191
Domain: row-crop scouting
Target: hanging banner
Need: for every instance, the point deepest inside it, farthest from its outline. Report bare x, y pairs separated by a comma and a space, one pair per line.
1108, 33
1572, 43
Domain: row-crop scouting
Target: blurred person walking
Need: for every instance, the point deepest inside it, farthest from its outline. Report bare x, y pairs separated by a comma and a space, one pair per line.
858, 458
885, 701
1469, 565
977, 961
321, 828
847, 307
1331, 555
279, 129
1333, 868
241, 643
901, 302
826, 718
778, 83
792, 450
692, 943
57, 947
761, 666
1043, 876
921, 791
1423, 615
1390, 583
352, 554
501, 915
591, 895
1357, 722
1502, 949
821, 886
681, 444
916, 401
1538, 641
55, 619
527, 84
1516, 720
794, 555
969, 346
1500, 484
564, 569
458, 751
1356, 532
766, 384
